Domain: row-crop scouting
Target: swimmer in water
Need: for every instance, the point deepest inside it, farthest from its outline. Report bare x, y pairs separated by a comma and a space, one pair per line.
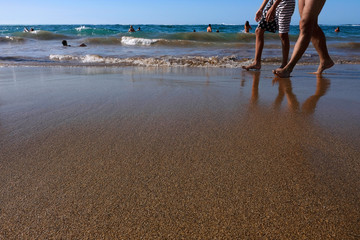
131, 29
247, 27
65, 44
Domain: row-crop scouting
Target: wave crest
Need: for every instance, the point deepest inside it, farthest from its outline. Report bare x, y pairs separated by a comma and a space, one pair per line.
138, 41
42, 35
82, 28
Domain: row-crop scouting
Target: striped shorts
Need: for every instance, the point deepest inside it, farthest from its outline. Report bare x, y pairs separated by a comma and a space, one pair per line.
283, 15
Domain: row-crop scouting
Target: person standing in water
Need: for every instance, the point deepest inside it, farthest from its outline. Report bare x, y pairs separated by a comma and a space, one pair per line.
276, 16
309, 31
209, 29
131, 29
247, 27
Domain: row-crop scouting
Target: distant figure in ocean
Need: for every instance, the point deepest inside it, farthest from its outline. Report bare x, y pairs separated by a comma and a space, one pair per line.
194, 30
337, 29
247, 27
131, 29
139, 29
209, 29
65, 44
309, 31
27, 30
217, 30
276, 16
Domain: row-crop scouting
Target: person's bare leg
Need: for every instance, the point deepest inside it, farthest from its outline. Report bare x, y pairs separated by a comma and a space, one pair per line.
256, 65
319, 41
309, 11
285, 43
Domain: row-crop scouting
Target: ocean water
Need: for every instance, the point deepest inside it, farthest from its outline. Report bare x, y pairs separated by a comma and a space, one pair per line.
158, 45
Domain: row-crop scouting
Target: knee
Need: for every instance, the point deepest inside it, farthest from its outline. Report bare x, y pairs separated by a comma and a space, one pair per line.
259, 32
306, 26
284, 36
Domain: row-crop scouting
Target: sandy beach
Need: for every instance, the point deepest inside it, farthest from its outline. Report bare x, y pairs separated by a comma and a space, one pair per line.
179, 153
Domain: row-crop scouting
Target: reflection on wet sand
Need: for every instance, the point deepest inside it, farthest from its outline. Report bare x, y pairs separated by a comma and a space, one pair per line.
254, 99
308, 107
255, 88
322, 85
286, 89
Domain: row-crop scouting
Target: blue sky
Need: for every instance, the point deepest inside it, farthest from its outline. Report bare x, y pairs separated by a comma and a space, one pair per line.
156, 12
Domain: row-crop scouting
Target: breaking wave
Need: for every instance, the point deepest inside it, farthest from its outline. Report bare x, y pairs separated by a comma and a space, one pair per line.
41, 35
82, 28
203, 36
131, 41
137, 41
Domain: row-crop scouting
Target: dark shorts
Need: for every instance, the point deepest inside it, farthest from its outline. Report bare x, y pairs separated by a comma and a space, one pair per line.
268, 26
283, 15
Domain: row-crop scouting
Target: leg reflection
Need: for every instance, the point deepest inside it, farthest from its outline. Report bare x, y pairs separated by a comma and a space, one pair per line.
255, 87
285, 88
280, 96
322, 85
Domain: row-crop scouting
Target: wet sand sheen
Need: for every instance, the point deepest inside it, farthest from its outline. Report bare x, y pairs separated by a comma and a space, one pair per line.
131, 153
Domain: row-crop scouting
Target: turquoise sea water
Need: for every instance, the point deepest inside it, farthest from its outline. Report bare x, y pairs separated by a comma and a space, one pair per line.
157, 45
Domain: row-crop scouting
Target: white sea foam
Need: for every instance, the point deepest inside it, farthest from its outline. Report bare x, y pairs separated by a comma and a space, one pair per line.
137, 41
56, 57
81, 28
166, 61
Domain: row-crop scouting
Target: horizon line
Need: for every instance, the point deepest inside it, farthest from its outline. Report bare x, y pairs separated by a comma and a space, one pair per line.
162, 24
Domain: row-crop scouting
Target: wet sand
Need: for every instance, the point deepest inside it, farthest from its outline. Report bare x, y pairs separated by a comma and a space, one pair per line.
136, 153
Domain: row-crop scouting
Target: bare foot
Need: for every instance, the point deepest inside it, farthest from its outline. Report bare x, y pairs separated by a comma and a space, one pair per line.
253, 66
278, 69
282, 72
325, 65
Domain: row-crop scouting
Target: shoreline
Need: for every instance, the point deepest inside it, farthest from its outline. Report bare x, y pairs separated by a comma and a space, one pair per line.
175, 62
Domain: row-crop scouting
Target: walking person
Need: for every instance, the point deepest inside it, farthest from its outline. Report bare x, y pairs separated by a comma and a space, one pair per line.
276, 16
309, 30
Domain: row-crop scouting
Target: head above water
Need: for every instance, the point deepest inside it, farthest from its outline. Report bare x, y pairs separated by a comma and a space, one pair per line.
64, 43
